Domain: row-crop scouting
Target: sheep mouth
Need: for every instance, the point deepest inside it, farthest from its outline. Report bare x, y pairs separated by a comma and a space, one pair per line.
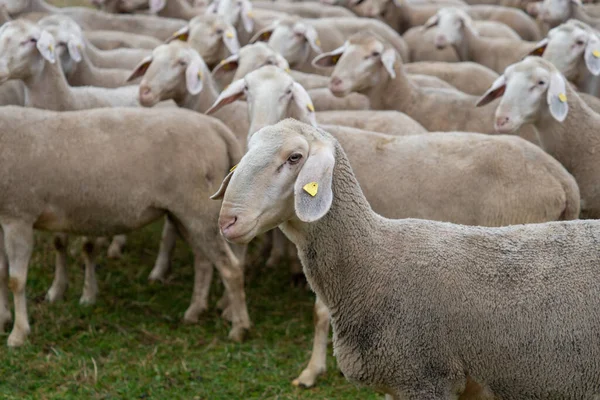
240, 236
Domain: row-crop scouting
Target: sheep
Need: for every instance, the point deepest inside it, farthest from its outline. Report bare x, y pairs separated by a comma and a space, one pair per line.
403, 15
253, 56
468, 77
265, 87
421, 41
211, 36
455, 29
391, 285
297, 39
93, 20
574, 48
566, 125
66, 141
12, 93
75, 62
34, 62
368, 65
555, 12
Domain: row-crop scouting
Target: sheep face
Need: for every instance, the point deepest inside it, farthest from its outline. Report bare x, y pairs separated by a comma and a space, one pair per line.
451, 24
24, 48
292, 39
569, 45
257, 55
531, 89
68, 37
16, 6
213, 38
360, 65
369, 8
174, 71
285, 175
271, 95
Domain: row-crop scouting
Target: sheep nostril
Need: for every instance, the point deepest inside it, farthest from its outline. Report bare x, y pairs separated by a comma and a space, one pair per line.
227, 223
335, 81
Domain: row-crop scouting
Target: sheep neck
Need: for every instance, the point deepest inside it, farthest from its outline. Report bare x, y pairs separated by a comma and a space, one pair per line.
178, 9
472, 47
394, 94
84, 71
203, 100
49, 89
330, 248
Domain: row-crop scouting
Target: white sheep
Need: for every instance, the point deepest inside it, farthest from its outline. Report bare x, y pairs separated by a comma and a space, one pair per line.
534, 92
555, 12
300, 40
455, 28
70, 50
366, 64
419, 307
65, 160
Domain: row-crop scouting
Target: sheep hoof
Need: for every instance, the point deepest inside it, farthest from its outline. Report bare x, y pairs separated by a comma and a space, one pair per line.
16, 339
156, 278
53, 295
308, 378
227, 314
87, 300
238, 334
192, 315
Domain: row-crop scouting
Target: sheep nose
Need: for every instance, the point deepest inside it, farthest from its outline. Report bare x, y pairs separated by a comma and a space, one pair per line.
226, 222
502, 121
146, 95
335, 81
440, 41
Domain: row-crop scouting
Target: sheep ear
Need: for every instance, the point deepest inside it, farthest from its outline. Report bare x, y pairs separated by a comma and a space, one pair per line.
263, 35
303, 101
282, 62
75, 46
539, 48
557, 97
182, 34
313, 194
141, 69
431, 22
311, 36
193, 76
212, 8
388, 58
231, 93
157, 5
327, 60
592, 54
247, 15
45, 45
223, 188
231, 41
495, 91
229, 64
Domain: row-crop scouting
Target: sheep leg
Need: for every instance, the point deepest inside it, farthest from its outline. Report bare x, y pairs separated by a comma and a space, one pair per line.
115, 250
203, 271
224, 303
61, 278
165, 252
318, 359
5, 315
90, 284
278, 248
18, 242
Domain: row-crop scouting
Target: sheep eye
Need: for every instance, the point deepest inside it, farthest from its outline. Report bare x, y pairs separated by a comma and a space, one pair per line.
294, 158
182, 63
289, 91
219, 31
375, 54
269, 62
541, 83
580, 43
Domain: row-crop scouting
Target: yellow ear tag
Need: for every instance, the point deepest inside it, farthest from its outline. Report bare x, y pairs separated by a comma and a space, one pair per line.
562, 97
287, 70
311, 188
200, 75
182, 37
310, 107
318, 42
233, 168
229, 35
250, 14
335, 59
51, 47
596, 53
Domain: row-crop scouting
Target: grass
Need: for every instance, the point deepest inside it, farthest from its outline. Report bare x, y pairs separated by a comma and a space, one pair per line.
133, 344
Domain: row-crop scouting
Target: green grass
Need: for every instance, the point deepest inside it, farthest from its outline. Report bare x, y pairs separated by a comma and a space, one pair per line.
133, 344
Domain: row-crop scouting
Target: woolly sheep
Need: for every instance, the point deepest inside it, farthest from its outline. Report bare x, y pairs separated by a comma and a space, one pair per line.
67, 140
398, 324
366, 64
567, 126
300, 40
